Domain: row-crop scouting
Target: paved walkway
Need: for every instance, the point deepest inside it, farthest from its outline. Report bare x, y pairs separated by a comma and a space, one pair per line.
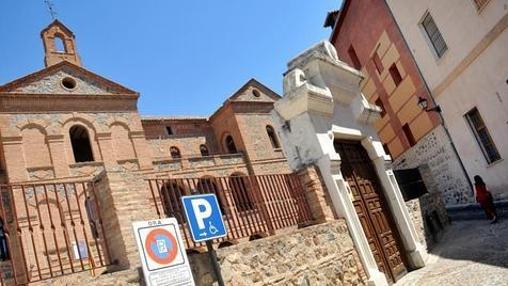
471, 253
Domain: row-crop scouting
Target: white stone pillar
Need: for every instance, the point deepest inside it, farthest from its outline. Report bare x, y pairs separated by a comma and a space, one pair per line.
322, 102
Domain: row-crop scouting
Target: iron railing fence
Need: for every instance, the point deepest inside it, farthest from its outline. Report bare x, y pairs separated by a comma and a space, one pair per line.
252, 206
50, 230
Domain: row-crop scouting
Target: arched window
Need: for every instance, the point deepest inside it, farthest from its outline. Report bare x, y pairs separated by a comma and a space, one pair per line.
230, 145
81, 144
241, 194
59, 44
204, 150
208, 185
272, 136
170, 197
175, 152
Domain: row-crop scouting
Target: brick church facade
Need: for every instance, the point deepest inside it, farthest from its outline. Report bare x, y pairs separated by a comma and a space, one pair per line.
81, 123
79, 163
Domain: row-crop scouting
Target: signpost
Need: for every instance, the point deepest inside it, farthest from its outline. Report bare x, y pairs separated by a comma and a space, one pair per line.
204, 219
162, 253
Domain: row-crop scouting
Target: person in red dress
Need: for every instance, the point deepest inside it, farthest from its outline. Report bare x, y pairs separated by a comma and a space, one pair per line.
484, 198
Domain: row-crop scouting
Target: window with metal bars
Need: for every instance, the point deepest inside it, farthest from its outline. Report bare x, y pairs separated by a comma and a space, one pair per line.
409, 135
4, 250
377, 62
379, 103
480, 3
395, 74
354, 58
482, 136
434, 35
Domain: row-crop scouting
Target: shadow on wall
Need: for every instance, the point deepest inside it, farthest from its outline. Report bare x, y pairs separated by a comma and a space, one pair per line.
429, 218
426, 209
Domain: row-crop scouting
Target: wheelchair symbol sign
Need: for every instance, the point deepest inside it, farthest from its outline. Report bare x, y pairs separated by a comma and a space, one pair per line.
204, 217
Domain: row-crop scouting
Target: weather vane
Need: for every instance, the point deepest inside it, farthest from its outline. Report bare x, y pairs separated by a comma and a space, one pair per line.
51, 9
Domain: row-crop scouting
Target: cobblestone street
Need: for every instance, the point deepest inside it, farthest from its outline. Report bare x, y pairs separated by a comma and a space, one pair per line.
471, 253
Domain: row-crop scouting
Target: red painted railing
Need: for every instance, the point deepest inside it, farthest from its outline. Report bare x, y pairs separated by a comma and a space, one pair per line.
50, 230
252, 206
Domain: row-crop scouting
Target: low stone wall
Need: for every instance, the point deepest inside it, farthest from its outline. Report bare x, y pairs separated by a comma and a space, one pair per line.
120, 278
429, 217
316, 255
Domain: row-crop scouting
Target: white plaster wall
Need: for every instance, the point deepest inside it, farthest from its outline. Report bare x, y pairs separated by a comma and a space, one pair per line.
298, 146
483, 84
461, 25
310, 147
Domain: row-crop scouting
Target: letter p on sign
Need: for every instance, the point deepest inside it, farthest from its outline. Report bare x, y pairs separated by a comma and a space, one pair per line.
202, 210
204, 217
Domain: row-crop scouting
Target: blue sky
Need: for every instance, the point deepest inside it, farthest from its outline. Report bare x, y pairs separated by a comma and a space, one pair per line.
184, 57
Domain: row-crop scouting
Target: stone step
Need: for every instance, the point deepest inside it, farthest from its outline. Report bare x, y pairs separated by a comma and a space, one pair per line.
475, 212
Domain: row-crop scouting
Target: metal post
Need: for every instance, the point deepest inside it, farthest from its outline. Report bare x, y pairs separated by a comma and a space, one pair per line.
215, 263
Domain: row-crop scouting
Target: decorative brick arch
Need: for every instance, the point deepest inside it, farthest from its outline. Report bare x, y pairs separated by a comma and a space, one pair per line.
118, 121
38, 124
34, 136
88, 123
83, 119
121, 141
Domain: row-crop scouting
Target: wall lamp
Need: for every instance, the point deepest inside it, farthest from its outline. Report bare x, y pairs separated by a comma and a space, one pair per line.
424, 105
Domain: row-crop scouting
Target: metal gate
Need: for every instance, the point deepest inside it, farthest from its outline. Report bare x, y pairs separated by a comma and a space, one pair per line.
50, 230
372, 209
252, 206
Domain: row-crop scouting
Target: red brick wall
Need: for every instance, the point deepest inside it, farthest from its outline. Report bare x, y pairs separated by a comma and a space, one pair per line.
362, 26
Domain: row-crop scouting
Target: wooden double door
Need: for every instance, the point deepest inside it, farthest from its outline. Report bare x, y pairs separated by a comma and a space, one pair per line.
372, 209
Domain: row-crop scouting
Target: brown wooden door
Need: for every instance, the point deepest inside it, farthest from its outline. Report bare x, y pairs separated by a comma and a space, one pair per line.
372, 209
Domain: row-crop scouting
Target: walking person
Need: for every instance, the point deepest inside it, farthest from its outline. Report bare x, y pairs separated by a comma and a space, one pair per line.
484, 198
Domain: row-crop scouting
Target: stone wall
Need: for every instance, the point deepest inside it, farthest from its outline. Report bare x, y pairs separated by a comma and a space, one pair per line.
429, 216
327, 258
317, 255
442, 172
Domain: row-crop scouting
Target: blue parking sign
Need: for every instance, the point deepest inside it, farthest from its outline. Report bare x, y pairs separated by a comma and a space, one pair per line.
204, 217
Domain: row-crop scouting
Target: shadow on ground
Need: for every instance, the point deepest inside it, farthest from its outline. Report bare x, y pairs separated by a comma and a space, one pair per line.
472, 252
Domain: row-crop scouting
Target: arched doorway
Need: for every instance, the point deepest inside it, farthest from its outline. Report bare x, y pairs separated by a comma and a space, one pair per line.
207, 185
170, 196
241, 193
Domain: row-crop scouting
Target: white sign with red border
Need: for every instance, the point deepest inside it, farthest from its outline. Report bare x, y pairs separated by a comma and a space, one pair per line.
162, 253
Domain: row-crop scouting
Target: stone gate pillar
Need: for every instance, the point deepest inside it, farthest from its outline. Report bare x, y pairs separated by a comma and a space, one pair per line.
124, 197
322, 102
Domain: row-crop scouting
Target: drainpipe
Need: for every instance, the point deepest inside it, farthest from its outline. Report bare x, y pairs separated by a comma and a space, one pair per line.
431, 97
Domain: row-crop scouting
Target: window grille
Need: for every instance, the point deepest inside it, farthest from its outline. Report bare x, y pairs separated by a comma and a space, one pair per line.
435, 37
482, 135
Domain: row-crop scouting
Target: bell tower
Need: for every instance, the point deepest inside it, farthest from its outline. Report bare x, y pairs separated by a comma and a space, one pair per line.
59, 44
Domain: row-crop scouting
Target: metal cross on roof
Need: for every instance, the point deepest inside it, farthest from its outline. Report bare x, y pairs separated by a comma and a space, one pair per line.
51, 8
